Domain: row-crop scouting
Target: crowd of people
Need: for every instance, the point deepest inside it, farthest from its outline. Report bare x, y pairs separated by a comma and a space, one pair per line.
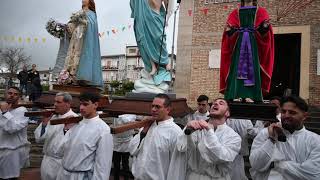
30, 82
161, 150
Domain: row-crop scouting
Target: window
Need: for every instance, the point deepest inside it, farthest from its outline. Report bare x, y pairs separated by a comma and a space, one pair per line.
132, 51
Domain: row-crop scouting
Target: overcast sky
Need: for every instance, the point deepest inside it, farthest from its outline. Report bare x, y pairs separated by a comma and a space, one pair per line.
27, 18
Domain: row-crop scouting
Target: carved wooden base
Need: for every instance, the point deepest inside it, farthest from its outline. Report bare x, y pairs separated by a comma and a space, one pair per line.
263, 112
47, 98
75, 89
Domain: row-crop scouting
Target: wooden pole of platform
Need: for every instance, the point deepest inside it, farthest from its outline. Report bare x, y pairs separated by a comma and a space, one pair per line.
70, 120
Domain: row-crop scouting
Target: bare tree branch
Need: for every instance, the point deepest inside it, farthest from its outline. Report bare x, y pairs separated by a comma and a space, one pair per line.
13, 59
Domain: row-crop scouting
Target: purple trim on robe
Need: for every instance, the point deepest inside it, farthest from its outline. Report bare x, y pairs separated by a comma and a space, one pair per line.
245, 65
248, 7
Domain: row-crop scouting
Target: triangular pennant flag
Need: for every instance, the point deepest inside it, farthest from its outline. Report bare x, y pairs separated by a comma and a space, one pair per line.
114, 31
123, 28
129, 27
108, 32
101, 34
205, 11
190, 12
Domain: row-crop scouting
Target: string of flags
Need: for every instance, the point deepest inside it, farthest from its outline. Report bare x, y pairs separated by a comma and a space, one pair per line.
205, 10
114, 31
20, 39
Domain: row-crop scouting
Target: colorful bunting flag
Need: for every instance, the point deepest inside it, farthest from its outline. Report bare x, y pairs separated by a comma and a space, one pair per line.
205, 11
20, 39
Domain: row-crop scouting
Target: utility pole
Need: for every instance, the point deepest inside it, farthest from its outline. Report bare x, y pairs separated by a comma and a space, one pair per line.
172, 48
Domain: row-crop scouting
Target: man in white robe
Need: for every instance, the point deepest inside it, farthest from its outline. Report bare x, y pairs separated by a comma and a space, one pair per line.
121, 143
14, 145
211, 149
297, 158
88, 145
202, 112
245, 130
153, 146
52, 136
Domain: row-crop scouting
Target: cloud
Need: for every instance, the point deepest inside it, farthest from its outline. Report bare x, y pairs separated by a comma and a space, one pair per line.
27, 19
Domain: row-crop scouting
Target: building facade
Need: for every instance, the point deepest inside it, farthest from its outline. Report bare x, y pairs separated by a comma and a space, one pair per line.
296, 25
134, 63
122, 67
113, 67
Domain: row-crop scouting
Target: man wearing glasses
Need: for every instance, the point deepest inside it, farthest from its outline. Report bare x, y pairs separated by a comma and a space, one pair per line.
152, 148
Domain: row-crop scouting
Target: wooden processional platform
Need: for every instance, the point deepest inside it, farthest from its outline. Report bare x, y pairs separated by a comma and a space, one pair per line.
47, 98
253, 111
133, 103
140, 104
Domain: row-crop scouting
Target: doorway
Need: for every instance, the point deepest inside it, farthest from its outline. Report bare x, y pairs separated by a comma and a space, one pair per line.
287, 62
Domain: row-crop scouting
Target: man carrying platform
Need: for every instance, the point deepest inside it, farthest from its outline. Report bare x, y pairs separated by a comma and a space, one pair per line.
153, 146
88, 145
202, 109
53, 136
14, 145
298, 157
211, 149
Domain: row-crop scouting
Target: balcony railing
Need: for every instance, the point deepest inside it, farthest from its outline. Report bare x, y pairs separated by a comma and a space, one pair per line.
110, 68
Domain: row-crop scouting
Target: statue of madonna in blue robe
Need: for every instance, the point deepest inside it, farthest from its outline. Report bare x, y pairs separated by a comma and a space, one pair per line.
83, 60
89, 69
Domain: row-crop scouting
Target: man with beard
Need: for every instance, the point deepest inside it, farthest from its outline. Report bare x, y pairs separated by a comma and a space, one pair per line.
53, 135
14, 146
153, 147
211, 149
298, 157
